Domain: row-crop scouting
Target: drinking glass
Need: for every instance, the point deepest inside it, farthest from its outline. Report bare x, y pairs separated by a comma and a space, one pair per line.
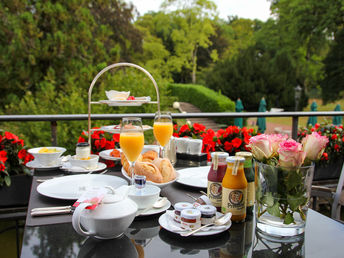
163, 129
131, 140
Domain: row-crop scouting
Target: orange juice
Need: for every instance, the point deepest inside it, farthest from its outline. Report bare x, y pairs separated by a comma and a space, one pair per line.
131, 144
234, 189
163, 132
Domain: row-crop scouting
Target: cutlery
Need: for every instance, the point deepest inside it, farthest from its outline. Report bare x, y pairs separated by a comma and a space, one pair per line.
51, 211
161, 202
194, 198
218, 222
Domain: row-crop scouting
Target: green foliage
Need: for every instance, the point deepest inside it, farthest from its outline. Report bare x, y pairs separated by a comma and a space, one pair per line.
205, 99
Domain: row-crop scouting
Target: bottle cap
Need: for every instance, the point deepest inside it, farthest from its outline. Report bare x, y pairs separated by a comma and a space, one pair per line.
233, 159
140, 181
219, 154
207, 209
82, 144
179, 206
245, 154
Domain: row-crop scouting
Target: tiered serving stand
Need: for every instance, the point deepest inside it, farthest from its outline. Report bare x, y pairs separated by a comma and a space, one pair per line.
119, 103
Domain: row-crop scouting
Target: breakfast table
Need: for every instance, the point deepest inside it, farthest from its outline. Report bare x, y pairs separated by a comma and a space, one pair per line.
54, 236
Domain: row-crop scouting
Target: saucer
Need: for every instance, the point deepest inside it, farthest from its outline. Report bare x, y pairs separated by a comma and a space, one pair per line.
154, 211
68, 167
38, 166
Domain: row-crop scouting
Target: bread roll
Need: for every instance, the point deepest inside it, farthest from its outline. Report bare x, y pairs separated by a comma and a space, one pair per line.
166, 169
126, 164
149, 170
149, 156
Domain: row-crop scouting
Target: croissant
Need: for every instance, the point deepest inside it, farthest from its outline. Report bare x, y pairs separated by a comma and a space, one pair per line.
149, 170
166, 169
149, 156
126, 164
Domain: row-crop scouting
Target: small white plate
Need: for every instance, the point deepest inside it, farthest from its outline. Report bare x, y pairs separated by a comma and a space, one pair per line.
136, 102
68, 167
195, 176
153, 211
38, 166
105, 154
161, 185
166, 221
71, 187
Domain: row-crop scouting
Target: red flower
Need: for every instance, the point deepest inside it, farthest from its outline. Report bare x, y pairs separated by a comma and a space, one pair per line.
198, 128
236, 142
184, 128
334, 136
3, 156
22, 154
325, 156
11, 136
336, 147
316, 126
109, 145
236, 129
115, 137
2, 166
81, 139
228, 146
219, 133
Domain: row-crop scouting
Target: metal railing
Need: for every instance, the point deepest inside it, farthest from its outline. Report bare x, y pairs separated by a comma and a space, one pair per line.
53, 119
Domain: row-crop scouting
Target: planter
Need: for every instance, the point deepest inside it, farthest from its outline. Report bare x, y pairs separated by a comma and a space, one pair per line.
18, 193
328, 171
282, 200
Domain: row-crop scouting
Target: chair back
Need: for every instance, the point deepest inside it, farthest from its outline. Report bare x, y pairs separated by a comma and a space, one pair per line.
337, 194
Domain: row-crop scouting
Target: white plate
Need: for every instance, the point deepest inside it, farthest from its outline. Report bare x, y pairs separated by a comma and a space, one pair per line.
161, 185
153, 211
38, 166
68, 167
167, 222
71, 187
137, 102
117, 128
105, 154
195, 176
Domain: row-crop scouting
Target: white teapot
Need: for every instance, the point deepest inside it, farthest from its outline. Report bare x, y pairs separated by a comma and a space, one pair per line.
110, 219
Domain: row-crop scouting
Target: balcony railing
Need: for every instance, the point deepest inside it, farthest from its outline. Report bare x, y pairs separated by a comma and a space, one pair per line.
53, 119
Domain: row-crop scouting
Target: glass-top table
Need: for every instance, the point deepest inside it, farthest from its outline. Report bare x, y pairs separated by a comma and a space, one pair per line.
145, 238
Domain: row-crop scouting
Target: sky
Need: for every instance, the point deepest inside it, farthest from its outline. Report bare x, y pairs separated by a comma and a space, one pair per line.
251, 9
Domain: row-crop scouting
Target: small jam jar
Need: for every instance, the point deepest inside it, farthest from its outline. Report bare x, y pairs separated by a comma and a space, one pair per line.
83, 150
202, 200
208, 214
190, 219
178, 207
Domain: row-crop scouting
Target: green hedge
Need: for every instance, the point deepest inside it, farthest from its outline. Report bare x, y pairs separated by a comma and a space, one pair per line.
204, 98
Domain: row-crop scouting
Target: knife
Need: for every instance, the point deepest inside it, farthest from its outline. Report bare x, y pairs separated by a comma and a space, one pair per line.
52, 211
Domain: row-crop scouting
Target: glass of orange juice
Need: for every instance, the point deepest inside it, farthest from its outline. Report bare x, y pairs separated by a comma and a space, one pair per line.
131, 140
163, 129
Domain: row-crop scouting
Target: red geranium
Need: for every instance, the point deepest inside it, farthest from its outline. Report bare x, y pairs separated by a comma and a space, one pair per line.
13, 157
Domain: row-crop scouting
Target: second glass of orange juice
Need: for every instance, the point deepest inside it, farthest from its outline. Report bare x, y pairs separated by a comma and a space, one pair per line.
163, 128
131, 140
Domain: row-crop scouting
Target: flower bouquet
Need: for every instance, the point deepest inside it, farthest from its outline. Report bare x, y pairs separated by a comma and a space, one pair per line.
285, 176
13, 157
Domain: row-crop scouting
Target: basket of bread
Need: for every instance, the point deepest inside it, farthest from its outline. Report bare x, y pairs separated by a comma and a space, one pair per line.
158, 171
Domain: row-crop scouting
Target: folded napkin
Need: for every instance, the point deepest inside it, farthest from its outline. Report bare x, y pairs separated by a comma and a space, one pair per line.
67, 166
175, 226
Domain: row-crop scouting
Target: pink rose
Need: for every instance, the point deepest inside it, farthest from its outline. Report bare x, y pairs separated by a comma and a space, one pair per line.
291, 154
276, 139
314, 145
260, 147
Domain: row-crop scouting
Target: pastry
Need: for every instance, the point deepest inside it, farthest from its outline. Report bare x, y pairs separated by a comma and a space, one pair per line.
166, 169
149, 156
115, 153
149, 170
126, 164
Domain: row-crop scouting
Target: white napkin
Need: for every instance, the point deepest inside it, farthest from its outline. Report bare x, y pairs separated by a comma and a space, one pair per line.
175, 226
70, 168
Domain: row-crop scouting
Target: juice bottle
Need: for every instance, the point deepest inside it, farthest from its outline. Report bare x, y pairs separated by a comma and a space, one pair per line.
234, 189
250, 177
216, 173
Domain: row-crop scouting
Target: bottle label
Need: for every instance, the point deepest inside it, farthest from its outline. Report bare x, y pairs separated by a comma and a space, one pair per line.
215, 193
234, 201
250, 194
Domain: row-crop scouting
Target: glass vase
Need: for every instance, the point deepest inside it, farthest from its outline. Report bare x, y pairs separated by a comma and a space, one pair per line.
282, 196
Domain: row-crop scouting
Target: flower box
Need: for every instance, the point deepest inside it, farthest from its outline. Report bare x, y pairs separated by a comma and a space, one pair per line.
18, 193
328, 171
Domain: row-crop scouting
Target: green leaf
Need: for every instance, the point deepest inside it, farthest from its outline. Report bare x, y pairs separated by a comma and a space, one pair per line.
274, 210
288, 219
296, 201
293, 179
8, 180
268, 199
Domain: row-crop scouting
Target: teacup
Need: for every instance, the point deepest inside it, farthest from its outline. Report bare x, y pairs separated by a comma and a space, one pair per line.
91, 163
144, 197
47, 158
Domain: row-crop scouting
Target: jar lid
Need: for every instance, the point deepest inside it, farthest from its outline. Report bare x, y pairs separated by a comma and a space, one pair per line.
245, 154
179, 206
207, 209
233, 159
219, 154
203, 199
190, 214
82, 144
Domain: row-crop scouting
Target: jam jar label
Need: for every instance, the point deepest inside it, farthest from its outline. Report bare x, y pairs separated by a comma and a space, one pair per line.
250, 194
215, 193
234, 201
